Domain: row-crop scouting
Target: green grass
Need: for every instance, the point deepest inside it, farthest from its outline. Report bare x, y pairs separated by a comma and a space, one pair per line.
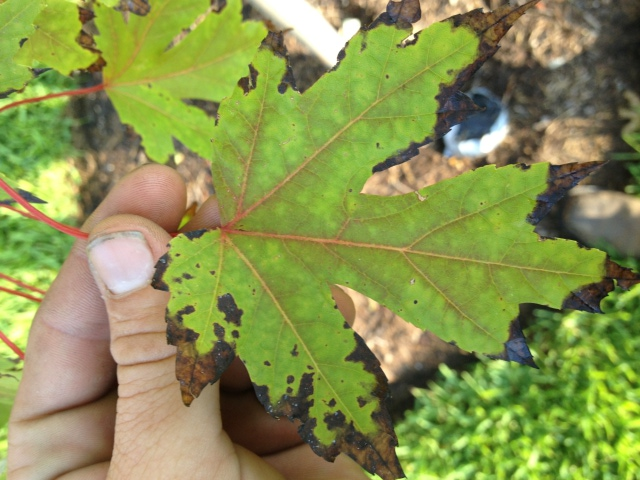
32, 136
35, 150
578, 417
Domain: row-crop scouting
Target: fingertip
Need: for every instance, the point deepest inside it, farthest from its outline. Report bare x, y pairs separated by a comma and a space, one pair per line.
155, 192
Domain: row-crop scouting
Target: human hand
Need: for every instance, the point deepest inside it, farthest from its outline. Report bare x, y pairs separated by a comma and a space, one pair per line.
99, 397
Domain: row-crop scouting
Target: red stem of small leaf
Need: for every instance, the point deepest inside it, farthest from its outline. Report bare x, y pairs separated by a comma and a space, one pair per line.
20, 294
12, 345
17, 282
67, 93
18, 211
38, 215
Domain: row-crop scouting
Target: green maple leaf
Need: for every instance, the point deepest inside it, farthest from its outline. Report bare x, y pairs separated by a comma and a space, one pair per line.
456, 258
53, 42
16, 18
147, 81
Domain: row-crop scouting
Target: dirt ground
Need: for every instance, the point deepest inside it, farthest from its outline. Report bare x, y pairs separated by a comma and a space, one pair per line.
561, 71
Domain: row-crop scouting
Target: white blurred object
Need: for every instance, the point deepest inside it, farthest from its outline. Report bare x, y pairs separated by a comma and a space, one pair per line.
307, 24
482, 132
350, 26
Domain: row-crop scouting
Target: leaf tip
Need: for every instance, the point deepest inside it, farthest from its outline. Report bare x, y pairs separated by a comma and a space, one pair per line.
516, 348
588, 298
401, 14
560, 179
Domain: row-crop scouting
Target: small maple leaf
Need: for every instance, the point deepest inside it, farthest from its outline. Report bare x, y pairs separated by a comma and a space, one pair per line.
456, 258
148, 73
16, 19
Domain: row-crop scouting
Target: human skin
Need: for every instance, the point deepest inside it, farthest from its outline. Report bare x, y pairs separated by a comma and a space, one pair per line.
99, 398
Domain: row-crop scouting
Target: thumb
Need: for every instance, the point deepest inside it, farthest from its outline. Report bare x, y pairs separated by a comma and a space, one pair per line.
154, 430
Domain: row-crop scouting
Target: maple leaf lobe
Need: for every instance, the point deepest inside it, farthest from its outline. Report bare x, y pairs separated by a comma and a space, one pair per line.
561, 179
492, 25
453, 106
588, 298
515, 348
195, 370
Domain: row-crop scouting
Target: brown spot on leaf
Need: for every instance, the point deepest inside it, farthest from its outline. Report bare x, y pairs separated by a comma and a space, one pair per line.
219, 331
157, 281
588, 298
401, 14
227, 305
362, 354
290, 406
294, 352
290, 378
275, 43
361, 402
235, 334
194, 371
287, 81
137, 7
267, 363
454, 107
335, 420
560, 179
490, 27
250, 82
377, 453
187, 310
404, 12
516, 348
191, 336
341, 56
332, 403
194, 234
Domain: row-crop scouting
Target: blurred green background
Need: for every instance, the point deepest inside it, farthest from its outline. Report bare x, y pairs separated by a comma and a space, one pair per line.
577, 417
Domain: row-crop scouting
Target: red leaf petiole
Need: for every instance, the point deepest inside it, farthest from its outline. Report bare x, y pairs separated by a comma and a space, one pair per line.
38, 215
68, 93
